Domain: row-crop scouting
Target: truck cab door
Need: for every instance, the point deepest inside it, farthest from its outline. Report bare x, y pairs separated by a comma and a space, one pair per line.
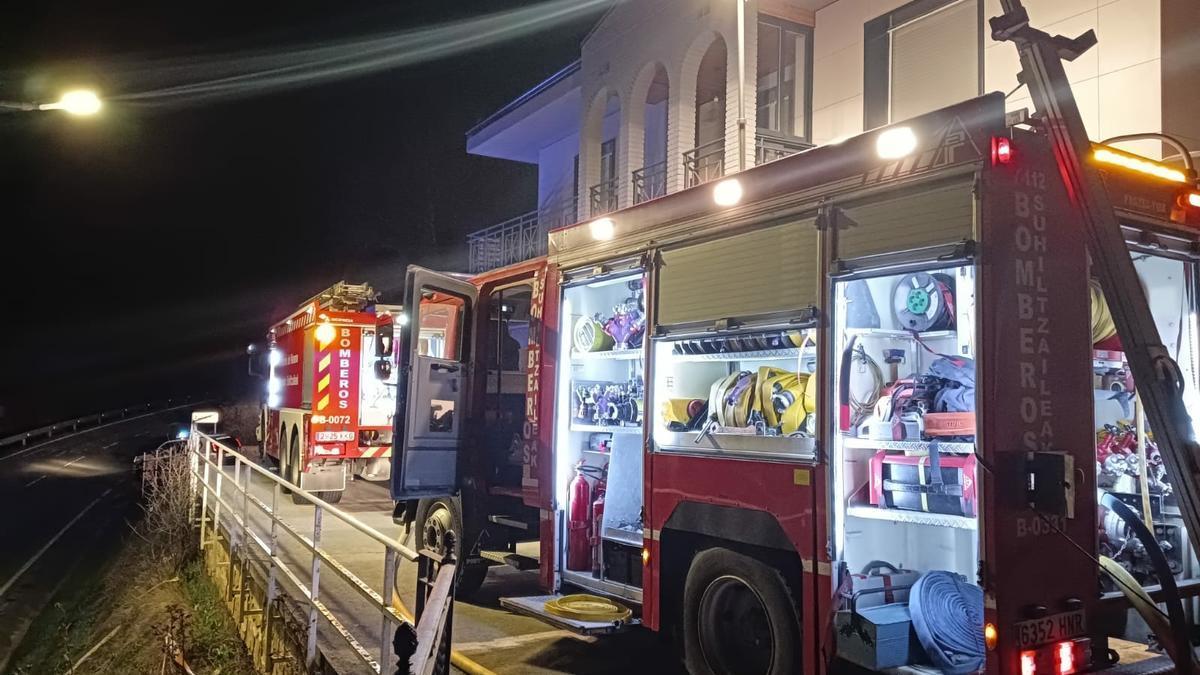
436, 352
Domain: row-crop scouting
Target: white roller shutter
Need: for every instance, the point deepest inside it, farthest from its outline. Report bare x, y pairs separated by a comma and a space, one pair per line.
935, 60
773, 269
914, 220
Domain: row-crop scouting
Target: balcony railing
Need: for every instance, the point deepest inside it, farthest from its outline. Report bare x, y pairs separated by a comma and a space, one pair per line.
704, 163
505, 243
769, 147
650, 182
604, 197
519, 238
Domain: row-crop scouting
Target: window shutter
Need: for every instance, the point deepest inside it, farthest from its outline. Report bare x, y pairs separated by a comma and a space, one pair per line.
917, 220
935, 60
773, 269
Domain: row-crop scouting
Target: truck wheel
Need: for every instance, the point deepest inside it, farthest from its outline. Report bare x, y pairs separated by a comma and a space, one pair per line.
738, 617
293, 467
436, 517
331, 496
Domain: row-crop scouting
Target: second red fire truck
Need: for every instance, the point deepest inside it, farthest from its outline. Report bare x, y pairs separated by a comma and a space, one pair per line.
328, 418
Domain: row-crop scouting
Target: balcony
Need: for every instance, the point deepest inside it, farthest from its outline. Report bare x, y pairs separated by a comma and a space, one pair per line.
520, 238
770, 146
650, 182
505, 243
704, 163
604, 197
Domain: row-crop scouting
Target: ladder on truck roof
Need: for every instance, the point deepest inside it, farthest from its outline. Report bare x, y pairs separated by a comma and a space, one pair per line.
1156, 375
344, 297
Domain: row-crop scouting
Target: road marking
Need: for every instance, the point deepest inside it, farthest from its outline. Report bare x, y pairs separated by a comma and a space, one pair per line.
41, 551
88, 431
105, 447
30, 483
514, 641
74, 460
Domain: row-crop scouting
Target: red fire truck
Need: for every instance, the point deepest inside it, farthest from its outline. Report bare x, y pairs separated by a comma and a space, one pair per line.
327, 417
856, 409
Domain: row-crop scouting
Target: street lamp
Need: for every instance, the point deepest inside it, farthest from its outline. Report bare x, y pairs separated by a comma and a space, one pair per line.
79, 102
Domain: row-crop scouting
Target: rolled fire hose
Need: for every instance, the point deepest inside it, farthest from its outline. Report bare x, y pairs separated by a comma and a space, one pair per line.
1179, 633
584, 607
947, 614
1144, 604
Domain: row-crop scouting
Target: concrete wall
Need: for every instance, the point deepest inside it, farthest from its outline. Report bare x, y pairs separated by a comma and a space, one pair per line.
556, 168
1118, 83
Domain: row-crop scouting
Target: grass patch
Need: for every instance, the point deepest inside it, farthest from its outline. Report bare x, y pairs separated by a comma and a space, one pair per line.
215, 644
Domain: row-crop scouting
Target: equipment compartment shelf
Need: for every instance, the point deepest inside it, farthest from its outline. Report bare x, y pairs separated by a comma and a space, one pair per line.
760, 354
610, 355
912, 517
900, 334
623, 536
599, 428
956, 447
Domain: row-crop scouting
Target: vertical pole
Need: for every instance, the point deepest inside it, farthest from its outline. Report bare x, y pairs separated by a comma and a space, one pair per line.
203, 501
272, 573
385, 629
741, 80
216, 526
314, 589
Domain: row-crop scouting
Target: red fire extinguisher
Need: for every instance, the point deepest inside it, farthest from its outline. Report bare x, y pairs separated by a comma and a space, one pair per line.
579, 528
597, 522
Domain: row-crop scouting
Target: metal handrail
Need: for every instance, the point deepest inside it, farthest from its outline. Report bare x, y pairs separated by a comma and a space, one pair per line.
769, 146
200, 446
704, 162
650, 182
48, 430
604, 197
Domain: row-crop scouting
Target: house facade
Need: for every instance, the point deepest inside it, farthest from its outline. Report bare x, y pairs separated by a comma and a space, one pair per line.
655, 105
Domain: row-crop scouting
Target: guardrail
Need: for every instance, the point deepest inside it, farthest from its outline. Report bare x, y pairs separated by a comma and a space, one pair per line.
207, 458
93, 420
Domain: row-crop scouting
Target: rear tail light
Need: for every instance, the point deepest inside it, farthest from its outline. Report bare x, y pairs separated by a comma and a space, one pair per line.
1064, 657
1193, 199
1028, 663
1001, 150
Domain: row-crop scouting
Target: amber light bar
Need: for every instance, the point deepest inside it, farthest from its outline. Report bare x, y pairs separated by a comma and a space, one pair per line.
1107, 155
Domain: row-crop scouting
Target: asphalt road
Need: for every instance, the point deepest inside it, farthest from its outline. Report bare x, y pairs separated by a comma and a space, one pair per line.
490, 635
63, 506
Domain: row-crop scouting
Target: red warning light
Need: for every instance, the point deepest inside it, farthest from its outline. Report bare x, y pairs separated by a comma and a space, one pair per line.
1028, 663
1065, 657
1001, 150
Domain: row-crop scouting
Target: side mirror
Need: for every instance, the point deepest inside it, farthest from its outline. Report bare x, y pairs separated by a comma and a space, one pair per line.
255, 360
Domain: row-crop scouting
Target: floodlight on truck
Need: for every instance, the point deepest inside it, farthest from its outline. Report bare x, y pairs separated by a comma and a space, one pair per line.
895, 143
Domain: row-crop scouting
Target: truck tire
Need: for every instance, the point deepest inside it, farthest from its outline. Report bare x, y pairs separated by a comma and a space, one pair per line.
436, 517
331, 496
293, 467
739, 617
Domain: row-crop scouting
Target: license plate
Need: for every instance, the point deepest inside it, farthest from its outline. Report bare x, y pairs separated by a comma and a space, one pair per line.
1051, 629
333, 436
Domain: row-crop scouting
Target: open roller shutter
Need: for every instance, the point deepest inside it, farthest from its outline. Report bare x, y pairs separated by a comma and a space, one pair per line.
774, 269
920, 219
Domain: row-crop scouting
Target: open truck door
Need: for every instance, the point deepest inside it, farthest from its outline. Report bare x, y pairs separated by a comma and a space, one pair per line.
436, 352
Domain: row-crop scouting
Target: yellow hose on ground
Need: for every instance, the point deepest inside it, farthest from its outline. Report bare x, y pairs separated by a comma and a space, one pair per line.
457, 659
584, 607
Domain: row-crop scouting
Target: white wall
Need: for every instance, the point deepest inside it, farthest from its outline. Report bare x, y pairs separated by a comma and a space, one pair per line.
556, 166
1117, 83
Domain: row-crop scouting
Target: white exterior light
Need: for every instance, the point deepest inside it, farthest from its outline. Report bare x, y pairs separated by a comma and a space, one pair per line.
727, 192
273, 386
402, 319
602, 229
895, 143
326, 333
273, 401
274, 357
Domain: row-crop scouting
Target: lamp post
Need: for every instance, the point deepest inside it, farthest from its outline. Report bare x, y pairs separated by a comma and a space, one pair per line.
79, 102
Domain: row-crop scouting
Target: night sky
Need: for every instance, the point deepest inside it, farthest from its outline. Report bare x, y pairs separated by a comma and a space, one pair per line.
145, 248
